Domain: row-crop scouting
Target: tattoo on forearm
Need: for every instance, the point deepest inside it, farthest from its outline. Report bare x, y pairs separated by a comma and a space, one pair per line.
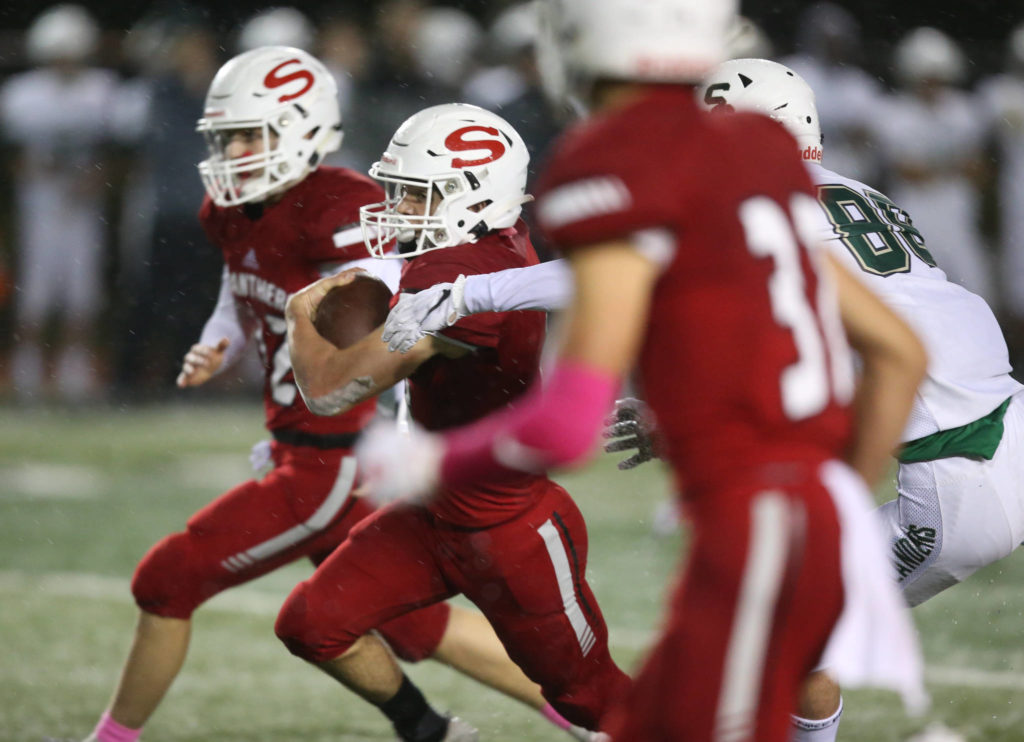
341, 399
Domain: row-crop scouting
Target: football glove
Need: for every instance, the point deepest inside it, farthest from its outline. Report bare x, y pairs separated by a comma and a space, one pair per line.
426, 312
631, 426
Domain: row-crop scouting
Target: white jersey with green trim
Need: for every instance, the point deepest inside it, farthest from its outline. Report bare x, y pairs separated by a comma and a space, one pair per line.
969, 366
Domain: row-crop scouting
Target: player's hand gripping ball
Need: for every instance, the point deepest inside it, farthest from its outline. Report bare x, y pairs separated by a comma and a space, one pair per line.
349, 311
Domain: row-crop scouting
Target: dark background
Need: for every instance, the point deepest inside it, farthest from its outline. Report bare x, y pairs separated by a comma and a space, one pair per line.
981, 25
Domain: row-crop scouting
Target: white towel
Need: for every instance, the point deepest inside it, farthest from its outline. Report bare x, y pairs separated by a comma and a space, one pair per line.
875, 642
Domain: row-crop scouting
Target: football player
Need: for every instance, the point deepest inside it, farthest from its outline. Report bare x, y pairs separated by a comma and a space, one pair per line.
281, 222
688, 249
514, 544
960, 503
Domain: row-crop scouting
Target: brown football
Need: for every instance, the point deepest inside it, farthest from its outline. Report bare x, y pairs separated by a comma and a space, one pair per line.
348, 313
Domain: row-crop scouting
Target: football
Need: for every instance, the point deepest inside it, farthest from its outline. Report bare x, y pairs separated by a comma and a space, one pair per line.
347, 313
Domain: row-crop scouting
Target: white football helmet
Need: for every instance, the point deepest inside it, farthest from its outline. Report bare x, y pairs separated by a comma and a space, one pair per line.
927, 53
291, 99
769, 88
675, 41
472, 165
63, 32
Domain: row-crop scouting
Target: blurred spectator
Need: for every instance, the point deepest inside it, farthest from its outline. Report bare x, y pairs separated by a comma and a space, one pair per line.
749, 41
510, 40
393, 89
1003, 95
828, 58
55, 116
511, 85
169, 272
344, 49
933, 139
445, 46
283, 26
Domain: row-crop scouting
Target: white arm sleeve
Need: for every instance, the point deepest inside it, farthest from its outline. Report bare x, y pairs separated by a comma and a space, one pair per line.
226, 322
547, 287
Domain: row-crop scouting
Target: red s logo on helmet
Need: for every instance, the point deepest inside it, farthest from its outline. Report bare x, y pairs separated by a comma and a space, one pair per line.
273, 81
456, 143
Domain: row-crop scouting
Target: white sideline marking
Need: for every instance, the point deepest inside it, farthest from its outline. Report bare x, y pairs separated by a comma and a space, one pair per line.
250, 601
962, 677
212, 471
245, 600
52, 481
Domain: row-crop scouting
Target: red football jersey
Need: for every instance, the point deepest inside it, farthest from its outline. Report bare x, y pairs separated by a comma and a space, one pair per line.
277, 249
737, 362
447, 392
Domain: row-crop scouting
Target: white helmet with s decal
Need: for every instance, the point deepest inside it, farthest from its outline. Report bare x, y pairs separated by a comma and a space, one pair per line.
280, 94
769, 88
467, 164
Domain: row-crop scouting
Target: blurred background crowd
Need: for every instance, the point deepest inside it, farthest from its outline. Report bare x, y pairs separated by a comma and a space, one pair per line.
106, 277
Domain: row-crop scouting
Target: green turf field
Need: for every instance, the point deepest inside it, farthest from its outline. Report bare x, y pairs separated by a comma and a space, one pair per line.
83, 495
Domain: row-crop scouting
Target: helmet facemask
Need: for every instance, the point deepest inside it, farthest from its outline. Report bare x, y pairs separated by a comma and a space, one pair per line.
253, 177
277, 97
453, 213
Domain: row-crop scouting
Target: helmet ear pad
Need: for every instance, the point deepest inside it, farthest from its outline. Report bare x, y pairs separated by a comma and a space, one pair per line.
288, 95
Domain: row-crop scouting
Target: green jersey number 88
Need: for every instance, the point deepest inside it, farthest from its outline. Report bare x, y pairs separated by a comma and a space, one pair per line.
876, 231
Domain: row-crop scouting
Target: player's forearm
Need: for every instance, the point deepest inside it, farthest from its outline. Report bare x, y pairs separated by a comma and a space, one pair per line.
319, 369
894, 362
555, 426
545, 287
884, 396
225, 322
559, 425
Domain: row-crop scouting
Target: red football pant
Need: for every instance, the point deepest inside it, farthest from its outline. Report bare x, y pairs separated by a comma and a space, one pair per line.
301, 508
526, 575
761, 592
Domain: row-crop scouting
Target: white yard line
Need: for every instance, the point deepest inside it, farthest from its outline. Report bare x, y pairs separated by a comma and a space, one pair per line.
251, 601
246, 600
45, 480
51, 481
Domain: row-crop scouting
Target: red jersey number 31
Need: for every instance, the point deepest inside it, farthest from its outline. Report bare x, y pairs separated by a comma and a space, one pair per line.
821, 371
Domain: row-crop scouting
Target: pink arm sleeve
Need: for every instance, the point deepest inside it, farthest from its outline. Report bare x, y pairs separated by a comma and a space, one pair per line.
554, 425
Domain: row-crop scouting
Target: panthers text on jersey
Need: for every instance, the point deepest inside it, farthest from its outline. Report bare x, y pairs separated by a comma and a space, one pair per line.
273, 250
